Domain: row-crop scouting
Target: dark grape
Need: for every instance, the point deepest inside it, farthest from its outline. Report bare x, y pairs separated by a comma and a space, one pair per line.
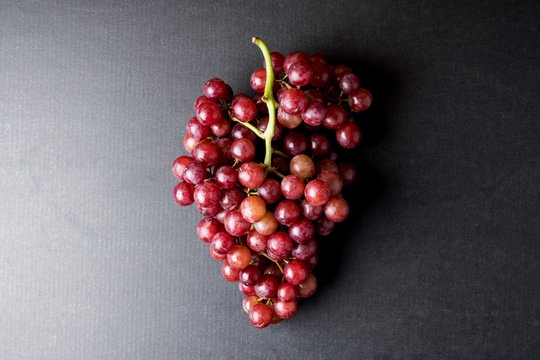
277, 62
224, 146
333, 179
239, 131
250, 275
278, 128
324, 226
326, 164
319, 144
321, 75
347, 172
335, 117
360, 100
349, 135
295, 143
317, 58
308, 287
270, 190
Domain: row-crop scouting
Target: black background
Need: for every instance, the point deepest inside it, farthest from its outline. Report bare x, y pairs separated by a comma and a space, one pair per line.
440, 256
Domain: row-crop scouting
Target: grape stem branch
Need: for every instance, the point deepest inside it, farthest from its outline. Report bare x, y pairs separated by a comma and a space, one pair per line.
271, 104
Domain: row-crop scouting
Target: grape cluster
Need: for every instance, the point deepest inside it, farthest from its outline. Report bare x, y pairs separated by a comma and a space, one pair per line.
264, 173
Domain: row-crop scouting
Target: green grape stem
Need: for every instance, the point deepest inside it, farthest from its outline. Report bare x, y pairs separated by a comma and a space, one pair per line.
271, 104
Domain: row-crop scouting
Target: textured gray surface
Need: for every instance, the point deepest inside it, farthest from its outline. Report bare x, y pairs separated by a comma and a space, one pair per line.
440, 258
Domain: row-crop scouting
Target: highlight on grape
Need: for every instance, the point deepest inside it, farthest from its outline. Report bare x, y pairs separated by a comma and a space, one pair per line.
265, 174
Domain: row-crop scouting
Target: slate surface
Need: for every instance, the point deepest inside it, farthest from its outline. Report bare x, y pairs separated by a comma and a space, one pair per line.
439, 260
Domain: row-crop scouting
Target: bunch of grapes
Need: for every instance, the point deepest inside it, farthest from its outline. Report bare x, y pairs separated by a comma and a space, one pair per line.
264, 173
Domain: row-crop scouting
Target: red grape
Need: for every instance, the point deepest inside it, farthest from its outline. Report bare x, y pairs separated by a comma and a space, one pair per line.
197, 130
349, 135
293, 101
207, 228
228, 272
286, 292
251, 175
183, 194
295, 272
336, 209
279, 245
244, 109
260, 315
287, 212
216, 89
293, 58
235, 224
239, 256
179, 166
258, 80
360, 100
209, 113
253, 209
207, 194
285, 310
243, 149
